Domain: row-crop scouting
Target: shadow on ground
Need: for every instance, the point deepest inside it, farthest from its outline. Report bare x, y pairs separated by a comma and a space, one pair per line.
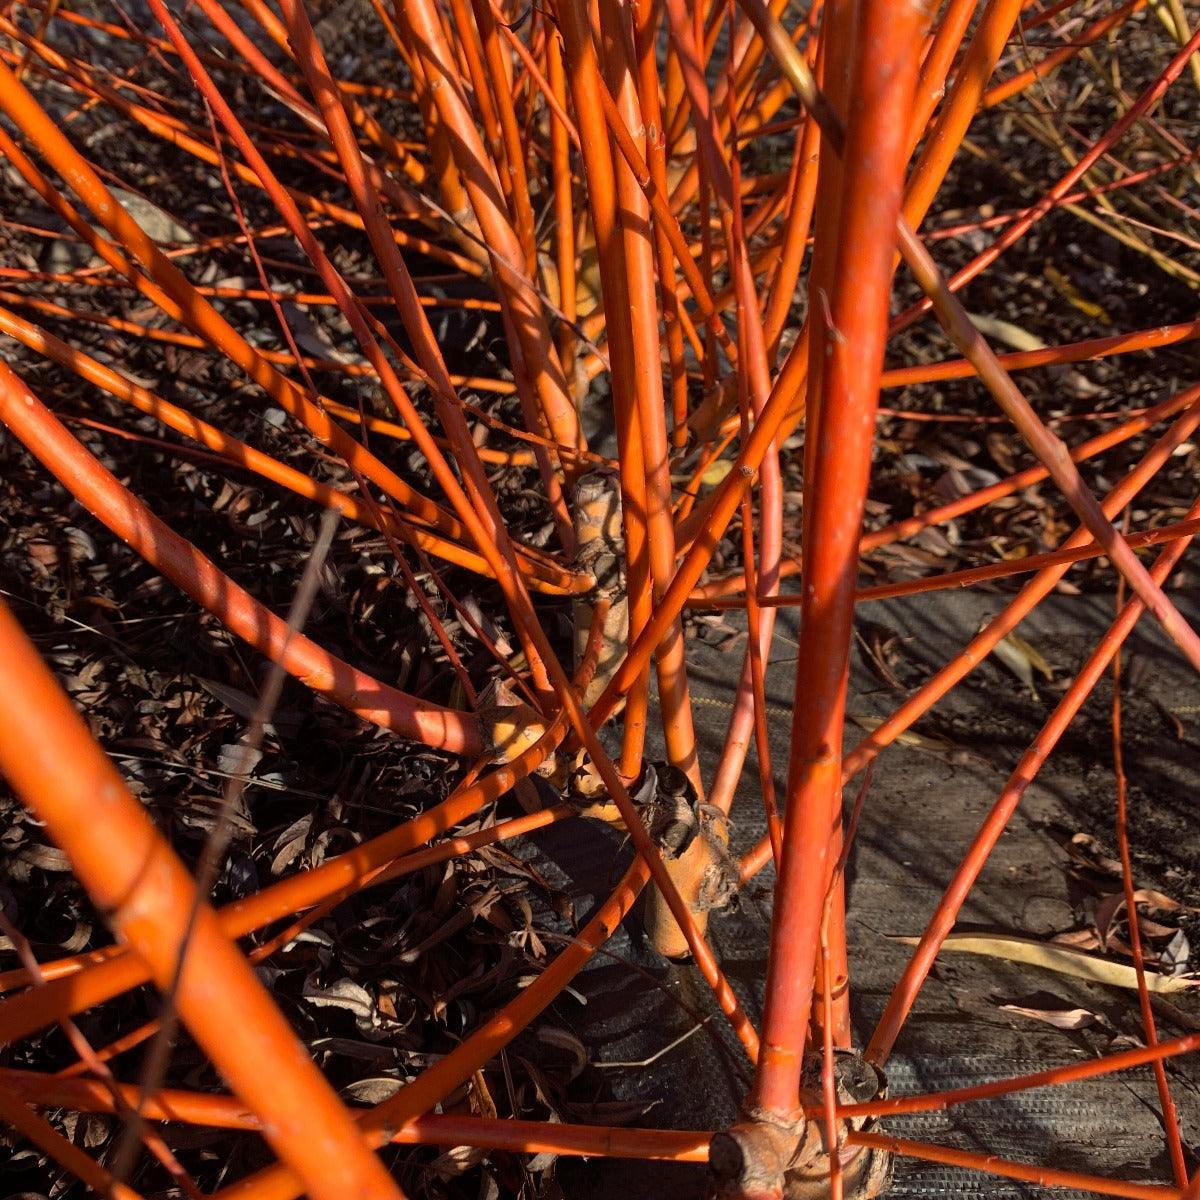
925, 804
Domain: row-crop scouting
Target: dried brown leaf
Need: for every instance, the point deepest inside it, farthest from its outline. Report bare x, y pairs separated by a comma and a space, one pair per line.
1060, 1018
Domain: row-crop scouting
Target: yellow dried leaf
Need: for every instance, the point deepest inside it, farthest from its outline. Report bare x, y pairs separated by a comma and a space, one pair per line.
1075, 297
1055, 956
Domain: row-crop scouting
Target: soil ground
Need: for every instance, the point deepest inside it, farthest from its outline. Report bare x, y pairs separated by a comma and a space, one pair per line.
923, 808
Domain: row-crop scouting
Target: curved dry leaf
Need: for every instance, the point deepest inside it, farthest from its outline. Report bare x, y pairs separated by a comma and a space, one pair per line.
1005, 331
1152, 899
316, 937
326, 841
234, 758
561, 1039
1174, 958
1023, 659
458, 1160
342, 993
1054, 956
290, 844
1109, 906
1152, 929
1080, 939
715, 472
88, 1130
155, 222
354, 998
78, 937
240, 703
374, 1089
1088, 851
1106, 912
1060, 1018
45, 858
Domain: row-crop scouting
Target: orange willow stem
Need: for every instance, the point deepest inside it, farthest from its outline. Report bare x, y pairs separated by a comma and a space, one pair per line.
172, 292
1018, 83
639, 202
799, 221
82, 981
440, 1079
1070, 352
1169, 1114
1068, 1073
564, 212
512, 172
852, 357
179, 135
90, 979
174, 338
633, 212
749, 708
148, 898
225, 292
945, 138
237, 453
587, 86
245, 46
523, 306
225, 1111
969, 575
718, 511
931, 86
1089, 350
1127, 180
362, 186
904, 994
646, 20
64, 1152
1115, 436
114, 505
1048, 447
1140, 108
1044, 1176
472, 498
665, 219
720, 507
1004, 622
431, 855
755, 350
909, 526
525, 1137
417, 1098
264, 68
514, 458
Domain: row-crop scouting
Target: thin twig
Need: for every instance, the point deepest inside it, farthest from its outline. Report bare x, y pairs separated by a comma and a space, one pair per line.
158, 1053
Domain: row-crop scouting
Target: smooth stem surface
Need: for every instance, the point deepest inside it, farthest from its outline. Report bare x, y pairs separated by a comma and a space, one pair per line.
851, 354
147, 896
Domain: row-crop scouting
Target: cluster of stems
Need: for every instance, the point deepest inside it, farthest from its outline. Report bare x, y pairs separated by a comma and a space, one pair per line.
585, 184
